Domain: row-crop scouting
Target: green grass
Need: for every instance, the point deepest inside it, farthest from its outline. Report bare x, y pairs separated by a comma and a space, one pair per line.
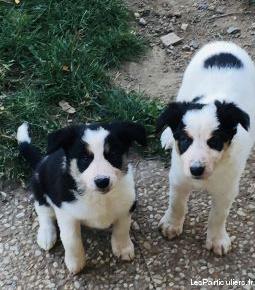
52, 50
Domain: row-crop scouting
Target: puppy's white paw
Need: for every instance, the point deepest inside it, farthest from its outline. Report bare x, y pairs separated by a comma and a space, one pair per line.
46, 237
75, 263
219, 244
125, 251
168, 229
167, 139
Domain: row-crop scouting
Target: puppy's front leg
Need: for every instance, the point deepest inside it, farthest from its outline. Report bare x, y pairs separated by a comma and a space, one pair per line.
122, 245
70, 234
217, 237
47, 233
171, 224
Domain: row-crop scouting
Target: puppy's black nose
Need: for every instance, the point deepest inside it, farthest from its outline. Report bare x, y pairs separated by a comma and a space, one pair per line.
102, 183
197, 170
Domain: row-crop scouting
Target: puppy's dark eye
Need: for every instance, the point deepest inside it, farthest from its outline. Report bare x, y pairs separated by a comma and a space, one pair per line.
215, 143
84, 162
183, 143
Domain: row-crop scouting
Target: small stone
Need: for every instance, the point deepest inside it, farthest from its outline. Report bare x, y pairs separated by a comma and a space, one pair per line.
240, 212
251, 206
38, 253
177, 14
202, 6
137, 15
184, 26
251, 276
186, 48
142, 21
147, 246
20, 215
150, 208
233, 30
194, 44
136, 226
55, 264
77, 285
170, 39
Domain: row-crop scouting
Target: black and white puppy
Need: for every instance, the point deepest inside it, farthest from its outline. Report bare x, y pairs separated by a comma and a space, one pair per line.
211, 129
84, 178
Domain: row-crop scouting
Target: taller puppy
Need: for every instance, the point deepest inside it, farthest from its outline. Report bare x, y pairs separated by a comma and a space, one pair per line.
211, 128
84, 178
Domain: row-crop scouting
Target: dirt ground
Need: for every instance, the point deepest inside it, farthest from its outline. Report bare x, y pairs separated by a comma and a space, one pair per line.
159, 264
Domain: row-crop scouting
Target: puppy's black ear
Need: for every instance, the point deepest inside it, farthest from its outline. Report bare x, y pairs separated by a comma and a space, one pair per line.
129, 132
229, 116
62, 138
171, 116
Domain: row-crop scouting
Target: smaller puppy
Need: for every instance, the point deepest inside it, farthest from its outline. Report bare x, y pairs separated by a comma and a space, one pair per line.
84, 178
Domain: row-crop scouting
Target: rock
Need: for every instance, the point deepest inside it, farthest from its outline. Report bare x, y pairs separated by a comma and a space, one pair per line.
194, 44
202, 6
142, 22
251, 276
240, 212
38, 253
170, 39
184, 26
177, 14
147, 246
186, 48
233, 30
136, 226
77, 285
137, 15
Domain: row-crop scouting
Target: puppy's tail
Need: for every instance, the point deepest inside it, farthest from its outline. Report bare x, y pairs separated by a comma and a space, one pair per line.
29, 152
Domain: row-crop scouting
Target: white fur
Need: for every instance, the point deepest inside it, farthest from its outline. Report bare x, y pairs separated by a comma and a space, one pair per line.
223, 170
22, 133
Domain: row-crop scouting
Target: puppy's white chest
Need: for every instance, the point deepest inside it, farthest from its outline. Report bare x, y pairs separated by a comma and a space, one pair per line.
100, 210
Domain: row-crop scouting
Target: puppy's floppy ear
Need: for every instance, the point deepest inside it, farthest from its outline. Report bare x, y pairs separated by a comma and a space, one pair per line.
129, 132
62, 138
171, 116
229, 116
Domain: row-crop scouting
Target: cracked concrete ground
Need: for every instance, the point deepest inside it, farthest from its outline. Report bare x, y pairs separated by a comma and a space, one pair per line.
159, 264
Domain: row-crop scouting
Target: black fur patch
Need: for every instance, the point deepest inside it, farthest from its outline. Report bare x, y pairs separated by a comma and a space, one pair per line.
223, 60
114, 151
173, 114
127, 133
229, 116
197, 99
133, 207
183, 141
82, 154
217, 140
52, 181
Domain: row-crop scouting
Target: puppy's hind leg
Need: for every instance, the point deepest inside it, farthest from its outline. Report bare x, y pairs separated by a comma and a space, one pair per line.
47, 234
171, 224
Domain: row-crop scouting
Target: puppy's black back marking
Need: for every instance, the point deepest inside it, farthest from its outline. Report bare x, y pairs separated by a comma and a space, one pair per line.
223, 60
